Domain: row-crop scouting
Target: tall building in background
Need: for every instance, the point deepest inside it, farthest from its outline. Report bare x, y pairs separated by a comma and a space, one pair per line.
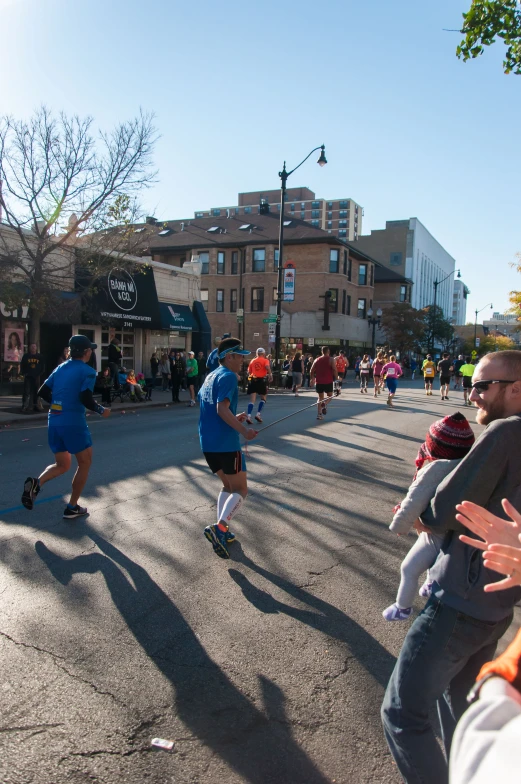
459, 308
409, 249
340, 217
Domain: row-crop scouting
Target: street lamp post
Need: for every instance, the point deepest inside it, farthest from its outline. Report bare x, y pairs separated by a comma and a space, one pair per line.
283, 179
437, 283
373, 322
490, 305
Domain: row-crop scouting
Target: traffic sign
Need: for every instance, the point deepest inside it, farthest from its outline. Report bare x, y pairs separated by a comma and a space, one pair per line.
270, 320
240, 319
477, 342
240, 311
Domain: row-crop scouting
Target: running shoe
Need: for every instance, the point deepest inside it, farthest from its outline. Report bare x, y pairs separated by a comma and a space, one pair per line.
426, 589
78, 511
217, 539
395, 613
229, 537
324, 409
319, 416
249, 420
258, 417
389, 401
31, 490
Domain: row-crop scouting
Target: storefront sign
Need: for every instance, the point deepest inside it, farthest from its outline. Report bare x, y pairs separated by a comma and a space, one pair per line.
124, 299
176, 317
16, 313
289, 282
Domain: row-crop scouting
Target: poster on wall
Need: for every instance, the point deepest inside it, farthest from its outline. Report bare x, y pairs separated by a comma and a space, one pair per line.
289, 282
13, 344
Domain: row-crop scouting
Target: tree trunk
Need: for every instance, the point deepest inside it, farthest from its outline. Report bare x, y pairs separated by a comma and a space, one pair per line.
34, 330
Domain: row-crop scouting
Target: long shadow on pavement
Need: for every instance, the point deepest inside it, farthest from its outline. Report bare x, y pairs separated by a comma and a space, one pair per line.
261, 750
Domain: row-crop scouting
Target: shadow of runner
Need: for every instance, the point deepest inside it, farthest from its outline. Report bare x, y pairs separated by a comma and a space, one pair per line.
255, 744
326, 619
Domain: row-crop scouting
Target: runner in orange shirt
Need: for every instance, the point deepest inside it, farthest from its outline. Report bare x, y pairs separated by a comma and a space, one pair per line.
341, 365
259, 374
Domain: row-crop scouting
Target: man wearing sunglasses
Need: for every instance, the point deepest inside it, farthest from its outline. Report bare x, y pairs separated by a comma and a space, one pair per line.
220, 428
459, 628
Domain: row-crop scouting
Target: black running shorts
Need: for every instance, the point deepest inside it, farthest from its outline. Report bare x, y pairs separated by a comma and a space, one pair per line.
327, 388
467, 382
444, 380
258, 385
228, 462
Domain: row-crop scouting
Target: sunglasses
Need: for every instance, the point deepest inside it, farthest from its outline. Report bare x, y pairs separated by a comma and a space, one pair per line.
482, 386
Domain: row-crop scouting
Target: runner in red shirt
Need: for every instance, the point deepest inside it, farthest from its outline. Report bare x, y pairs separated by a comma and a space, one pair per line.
325, 372
341, 365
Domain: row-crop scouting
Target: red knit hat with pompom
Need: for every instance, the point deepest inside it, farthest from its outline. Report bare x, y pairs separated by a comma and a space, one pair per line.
450, 438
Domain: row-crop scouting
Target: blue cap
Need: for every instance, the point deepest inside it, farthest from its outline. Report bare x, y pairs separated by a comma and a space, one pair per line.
234, 350
80, 343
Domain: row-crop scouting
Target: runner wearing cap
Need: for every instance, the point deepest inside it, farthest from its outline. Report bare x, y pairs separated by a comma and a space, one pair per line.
259, 374
219, 429
68, 390
192, 370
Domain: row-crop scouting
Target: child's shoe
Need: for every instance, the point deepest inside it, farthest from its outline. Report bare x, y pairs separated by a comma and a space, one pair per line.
395, 613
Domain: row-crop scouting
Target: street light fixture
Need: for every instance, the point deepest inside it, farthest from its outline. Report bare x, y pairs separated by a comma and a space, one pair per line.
490, 305
373, 322
283, 179
437, 283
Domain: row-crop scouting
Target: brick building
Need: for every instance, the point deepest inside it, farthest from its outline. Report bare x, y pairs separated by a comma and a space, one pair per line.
239, 263
341, 217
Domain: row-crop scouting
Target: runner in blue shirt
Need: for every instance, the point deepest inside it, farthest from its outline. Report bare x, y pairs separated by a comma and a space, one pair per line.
219, 429
68, 390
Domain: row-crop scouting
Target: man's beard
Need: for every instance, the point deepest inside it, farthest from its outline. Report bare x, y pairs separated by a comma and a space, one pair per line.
494, 410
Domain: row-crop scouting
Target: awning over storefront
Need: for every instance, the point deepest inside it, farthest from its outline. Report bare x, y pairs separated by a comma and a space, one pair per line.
177, 317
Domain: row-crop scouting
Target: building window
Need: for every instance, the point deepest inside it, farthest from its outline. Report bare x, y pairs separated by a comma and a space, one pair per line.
204, 258
330, 215
216, 213
276, 259
275, 294
330, 205
235, 262
204, 298
257, 300
233, 301
315, 223
303, 215
342, 214
315, 205
220, 262
345, 262
372, 275
247, 210
334, 260
342, 205
395, 259
403, 293
350, 269
344, 301
219, 301
333, 301
199, 214
330, 224
342, 224
342, 233
236, 210
362, 275
303, 205
292, 207
259, 260
361, 308
315, 213
348, 305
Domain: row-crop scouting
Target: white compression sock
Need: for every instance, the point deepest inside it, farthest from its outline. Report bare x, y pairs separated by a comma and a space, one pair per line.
223, 497
231, 507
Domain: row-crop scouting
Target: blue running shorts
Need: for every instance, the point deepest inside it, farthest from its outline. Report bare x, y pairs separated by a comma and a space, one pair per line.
392, 384
68, 438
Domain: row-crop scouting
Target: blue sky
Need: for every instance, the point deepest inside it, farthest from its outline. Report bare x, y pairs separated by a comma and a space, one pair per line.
239, 87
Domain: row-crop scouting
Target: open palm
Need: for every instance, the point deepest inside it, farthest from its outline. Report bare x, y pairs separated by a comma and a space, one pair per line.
505, 560
490, 528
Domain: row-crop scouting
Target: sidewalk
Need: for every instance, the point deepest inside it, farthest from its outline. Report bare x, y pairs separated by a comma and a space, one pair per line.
11, 407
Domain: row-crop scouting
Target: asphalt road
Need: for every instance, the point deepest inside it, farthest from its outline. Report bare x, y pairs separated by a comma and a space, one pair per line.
266, 668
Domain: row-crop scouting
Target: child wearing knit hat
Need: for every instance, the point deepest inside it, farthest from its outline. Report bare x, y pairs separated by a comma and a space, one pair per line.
448, 441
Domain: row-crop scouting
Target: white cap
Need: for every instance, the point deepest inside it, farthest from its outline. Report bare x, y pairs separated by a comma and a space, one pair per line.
261, 351
191, 352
